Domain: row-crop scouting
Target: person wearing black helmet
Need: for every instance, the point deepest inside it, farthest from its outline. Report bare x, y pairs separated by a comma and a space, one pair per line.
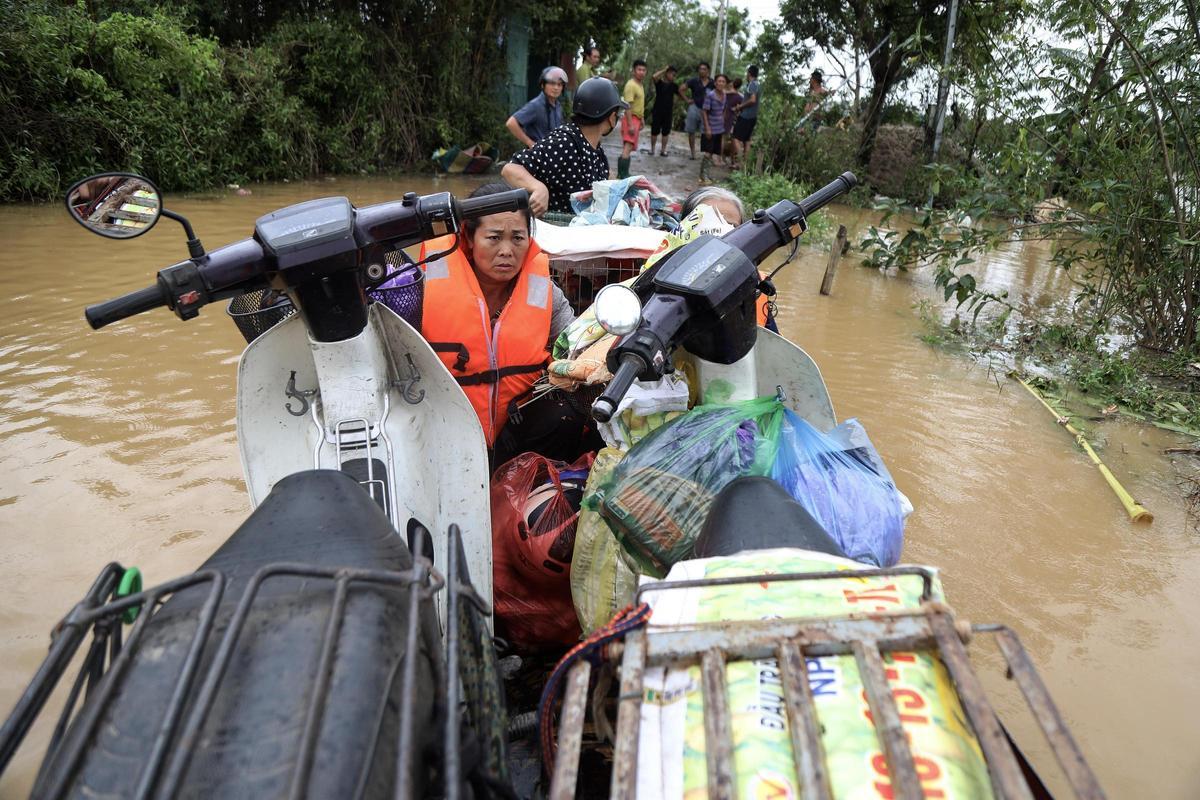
542, 114
570, 158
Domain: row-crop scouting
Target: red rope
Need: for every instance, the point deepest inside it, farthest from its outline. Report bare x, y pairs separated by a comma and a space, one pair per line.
591, 648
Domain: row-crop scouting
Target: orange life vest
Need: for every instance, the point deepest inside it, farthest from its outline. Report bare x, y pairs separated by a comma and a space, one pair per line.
762, 305
495, 365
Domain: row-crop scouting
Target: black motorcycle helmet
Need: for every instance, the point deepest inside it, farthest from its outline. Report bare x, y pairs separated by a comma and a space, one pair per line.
595, 99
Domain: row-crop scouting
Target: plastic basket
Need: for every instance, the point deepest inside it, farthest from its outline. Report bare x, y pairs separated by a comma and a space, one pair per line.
257, 312
405, 292
581, 280
559, 218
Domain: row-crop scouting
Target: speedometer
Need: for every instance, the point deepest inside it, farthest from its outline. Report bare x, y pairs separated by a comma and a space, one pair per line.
306, 224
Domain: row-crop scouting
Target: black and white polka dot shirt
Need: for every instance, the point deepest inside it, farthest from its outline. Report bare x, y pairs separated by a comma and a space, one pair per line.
566, 162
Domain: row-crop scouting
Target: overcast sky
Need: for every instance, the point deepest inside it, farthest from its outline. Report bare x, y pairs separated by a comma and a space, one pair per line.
760, 10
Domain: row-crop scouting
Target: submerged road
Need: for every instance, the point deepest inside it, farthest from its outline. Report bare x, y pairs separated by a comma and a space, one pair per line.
121, 444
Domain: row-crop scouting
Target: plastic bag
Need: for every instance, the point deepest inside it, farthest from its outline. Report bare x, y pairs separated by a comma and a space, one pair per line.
633, 201
535, 507
647, 406
847, 491
602, 580
659, 495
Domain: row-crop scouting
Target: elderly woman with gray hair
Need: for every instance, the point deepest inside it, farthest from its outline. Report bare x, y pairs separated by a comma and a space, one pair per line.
730, 212
723, 200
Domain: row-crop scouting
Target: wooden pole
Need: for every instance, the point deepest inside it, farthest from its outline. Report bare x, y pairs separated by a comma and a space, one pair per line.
839, 244
943, 91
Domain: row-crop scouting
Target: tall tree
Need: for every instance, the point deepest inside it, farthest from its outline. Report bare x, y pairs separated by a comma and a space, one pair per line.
900, 35
564, 26
680, 32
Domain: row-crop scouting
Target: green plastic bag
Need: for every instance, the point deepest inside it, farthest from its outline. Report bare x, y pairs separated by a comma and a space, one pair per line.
659, 495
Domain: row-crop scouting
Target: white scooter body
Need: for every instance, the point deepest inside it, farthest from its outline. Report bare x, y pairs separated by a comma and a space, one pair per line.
772, 365
422, 427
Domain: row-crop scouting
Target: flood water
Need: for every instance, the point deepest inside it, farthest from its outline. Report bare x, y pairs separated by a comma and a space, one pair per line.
121, 445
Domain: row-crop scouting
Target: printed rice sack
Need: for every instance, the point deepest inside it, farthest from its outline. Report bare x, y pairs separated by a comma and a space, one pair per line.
672, 763
602, 580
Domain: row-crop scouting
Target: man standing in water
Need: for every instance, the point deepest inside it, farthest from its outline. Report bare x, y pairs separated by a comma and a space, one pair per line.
631, 123
694, 91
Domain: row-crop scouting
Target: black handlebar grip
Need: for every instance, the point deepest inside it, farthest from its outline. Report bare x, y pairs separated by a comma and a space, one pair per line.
606, 404
124, 306
828, 193
475, 207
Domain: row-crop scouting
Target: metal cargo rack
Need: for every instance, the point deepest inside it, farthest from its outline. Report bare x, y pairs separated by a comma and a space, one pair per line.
931, 627
471, 688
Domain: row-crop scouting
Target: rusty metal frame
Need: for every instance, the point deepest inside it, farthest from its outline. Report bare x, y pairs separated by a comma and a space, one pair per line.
931, 627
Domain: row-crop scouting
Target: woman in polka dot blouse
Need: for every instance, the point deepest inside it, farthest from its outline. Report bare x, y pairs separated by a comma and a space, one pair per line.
569, 159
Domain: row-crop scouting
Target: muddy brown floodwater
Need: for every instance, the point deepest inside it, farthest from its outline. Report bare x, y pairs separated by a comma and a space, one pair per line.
121, 445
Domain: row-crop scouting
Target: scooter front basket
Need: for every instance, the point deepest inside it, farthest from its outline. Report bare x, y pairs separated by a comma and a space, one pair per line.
257, 312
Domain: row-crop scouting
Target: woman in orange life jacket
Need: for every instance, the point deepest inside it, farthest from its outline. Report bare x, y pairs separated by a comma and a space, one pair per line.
491, 310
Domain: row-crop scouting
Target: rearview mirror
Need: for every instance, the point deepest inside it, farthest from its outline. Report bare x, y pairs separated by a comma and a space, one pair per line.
618, 309
119, 205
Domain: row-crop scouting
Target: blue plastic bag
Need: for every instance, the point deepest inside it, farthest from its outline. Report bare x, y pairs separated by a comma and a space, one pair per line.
847, 490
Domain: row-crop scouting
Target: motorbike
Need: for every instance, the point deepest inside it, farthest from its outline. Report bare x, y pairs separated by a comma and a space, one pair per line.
339, 643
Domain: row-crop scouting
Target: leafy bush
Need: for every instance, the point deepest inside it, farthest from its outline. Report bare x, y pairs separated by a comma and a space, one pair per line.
82, 96
143, 92
766, 189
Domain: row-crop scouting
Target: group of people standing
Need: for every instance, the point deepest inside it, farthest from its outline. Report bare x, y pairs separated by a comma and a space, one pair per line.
719, 112
716, 112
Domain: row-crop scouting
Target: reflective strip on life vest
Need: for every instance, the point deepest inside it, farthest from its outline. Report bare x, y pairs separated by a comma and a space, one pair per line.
538, 293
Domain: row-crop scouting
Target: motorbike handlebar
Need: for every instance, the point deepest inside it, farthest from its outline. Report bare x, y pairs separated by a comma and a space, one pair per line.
240, 267
606, 404
127, 305
476, 207
828, 193
757, 238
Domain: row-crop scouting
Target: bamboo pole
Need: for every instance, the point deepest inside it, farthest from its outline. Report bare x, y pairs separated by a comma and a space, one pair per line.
1136, 512
839, 244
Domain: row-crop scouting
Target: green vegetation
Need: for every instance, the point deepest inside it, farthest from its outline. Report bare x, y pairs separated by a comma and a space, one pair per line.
195, 93
894, 38
766, 189
1161, 388
1072, 123
1129, 226
680, 33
